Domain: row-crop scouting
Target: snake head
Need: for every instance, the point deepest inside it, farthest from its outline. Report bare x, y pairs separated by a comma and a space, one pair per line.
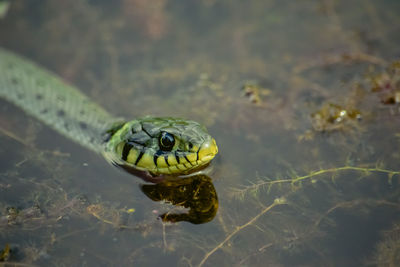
161, 146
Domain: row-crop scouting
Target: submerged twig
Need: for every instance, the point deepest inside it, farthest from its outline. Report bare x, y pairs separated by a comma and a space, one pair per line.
277, 202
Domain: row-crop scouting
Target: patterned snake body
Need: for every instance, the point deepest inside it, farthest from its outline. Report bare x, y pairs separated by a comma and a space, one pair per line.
158, 146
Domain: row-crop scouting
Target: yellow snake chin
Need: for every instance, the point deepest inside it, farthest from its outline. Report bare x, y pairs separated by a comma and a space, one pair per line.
189, 163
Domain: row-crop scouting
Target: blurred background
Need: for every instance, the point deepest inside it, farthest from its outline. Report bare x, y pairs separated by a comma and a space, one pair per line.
302, 97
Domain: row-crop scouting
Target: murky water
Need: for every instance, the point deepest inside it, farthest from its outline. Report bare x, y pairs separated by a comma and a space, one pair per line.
303, 98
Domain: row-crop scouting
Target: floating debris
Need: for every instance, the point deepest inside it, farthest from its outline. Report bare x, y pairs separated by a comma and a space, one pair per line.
255, 93
387, 84
16, 216
334, 117
5, 253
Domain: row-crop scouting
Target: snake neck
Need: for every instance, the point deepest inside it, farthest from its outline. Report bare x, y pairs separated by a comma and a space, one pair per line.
46, 97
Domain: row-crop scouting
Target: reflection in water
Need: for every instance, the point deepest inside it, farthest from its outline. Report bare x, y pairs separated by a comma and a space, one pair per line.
197, 193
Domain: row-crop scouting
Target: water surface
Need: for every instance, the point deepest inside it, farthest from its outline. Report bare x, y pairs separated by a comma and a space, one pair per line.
301, 96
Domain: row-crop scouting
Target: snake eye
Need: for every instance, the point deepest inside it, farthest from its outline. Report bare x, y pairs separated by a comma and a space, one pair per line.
167, 141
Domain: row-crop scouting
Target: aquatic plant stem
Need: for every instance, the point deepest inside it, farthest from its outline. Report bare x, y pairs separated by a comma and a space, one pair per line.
294, 180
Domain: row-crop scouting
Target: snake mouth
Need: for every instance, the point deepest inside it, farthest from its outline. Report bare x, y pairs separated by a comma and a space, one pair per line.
169, 165
207, 151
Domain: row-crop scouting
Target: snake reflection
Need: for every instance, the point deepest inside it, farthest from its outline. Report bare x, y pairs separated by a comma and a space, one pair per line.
195, 193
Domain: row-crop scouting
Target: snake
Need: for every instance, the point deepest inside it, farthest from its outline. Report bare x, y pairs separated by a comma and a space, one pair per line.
153, 146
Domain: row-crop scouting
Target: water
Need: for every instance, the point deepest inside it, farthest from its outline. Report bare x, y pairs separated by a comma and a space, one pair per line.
302, 98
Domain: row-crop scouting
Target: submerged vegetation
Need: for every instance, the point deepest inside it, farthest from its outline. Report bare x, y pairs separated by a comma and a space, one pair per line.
388, 249
304, 102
